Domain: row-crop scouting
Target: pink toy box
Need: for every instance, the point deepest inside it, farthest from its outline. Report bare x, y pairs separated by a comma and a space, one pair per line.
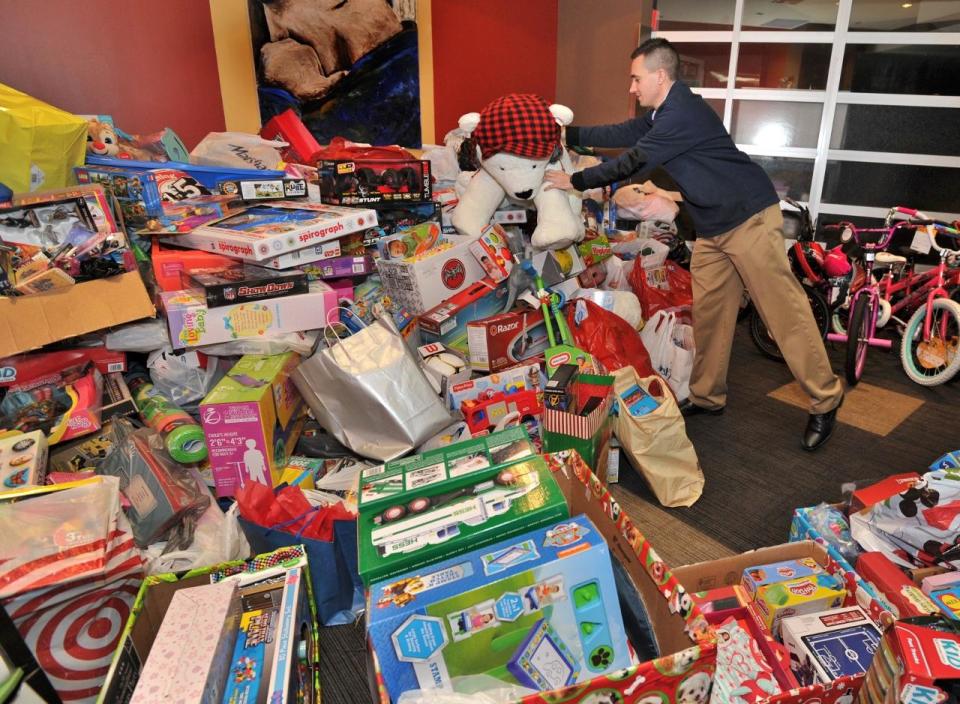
252, 419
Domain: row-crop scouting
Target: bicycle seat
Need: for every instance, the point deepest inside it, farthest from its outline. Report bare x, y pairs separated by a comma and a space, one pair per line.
888, 259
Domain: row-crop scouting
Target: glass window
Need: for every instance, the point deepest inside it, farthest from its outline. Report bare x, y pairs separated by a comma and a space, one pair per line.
690, 15
886, 185
802, 66
704, 65
717, 104
900, 16
776, 124
791, 177
896, 128
806, 16
901, 68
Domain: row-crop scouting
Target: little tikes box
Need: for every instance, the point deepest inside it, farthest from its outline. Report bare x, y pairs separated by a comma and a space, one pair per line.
251, 420
540, 610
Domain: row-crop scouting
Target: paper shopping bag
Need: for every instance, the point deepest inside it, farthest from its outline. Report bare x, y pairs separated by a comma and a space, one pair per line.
589, 435
369, 392
654, 438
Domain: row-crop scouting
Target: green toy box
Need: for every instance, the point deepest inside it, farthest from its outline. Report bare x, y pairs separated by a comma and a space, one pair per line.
539, 610
450, 516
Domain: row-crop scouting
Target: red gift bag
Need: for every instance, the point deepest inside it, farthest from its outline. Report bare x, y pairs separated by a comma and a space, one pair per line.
664, 287
608, 337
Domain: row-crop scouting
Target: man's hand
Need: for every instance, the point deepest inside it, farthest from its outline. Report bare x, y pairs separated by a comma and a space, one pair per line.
558, 180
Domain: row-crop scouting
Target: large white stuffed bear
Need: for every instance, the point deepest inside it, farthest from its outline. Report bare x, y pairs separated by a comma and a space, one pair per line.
518, 138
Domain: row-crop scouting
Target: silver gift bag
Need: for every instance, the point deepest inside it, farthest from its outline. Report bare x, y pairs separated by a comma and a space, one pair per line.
369, 392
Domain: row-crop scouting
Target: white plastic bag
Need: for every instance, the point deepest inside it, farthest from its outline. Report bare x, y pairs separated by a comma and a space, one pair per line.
218, 538
145, 336
300, 342
670, 345
239, 149
181, 378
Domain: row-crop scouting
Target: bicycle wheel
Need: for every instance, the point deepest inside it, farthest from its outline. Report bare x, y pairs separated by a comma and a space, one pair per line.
858, 340
764, 340
937, 360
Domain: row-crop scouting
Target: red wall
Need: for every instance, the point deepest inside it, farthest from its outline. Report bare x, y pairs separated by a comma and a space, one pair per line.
482, 50
149, 64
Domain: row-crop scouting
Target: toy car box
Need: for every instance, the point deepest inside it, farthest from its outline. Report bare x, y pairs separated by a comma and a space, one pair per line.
506, 340
368, 181
539, 610
251, 420
423, 282
191, 323
23, 460
190, 657
829, 644
243, 283
183, 179
451, 517
521, 378
264, 231
447, 322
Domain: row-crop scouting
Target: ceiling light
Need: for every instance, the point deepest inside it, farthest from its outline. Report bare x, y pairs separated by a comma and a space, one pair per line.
907, 5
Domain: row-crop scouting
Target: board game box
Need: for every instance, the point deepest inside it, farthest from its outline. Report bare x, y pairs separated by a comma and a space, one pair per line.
243, 283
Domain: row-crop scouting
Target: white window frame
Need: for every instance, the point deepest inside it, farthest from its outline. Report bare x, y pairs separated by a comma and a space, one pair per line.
830, 97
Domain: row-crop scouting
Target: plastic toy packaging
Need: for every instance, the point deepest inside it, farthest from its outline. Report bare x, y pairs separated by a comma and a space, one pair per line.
182, 437
830, 523
165, 500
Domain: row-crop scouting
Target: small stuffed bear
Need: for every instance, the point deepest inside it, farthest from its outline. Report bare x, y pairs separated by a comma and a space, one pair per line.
518, 138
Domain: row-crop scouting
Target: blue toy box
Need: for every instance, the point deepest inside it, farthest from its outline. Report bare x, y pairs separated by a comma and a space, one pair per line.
539, 610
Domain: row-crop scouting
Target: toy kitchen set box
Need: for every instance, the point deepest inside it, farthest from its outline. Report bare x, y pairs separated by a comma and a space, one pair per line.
539, 610
252, 419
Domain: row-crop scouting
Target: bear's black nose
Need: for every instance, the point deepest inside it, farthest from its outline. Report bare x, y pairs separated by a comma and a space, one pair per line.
523, 195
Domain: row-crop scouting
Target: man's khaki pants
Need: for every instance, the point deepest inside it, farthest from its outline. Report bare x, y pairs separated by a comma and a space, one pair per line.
753, 255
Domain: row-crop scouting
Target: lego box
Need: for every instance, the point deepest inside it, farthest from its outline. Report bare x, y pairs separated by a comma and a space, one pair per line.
442, 521
539, 610
251, 420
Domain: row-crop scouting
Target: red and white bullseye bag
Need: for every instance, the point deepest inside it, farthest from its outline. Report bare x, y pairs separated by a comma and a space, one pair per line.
69, 572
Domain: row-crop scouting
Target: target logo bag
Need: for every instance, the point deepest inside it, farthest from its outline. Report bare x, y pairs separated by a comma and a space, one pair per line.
69, 578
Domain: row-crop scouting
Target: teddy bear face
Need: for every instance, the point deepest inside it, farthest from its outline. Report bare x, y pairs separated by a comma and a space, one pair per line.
102, 139
520, 177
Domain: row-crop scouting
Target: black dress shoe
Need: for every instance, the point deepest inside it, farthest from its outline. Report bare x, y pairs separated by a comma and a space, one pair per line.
819, 428
689, 408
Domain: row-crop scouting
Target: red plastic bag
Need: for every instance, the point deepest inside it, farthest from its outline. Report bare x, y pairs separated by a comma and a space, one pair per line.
665, 287
608, 337
340, 148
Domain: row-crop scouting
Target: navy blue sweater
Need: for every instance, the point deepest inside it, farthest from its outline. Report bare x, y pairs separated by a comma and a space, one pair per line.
721, 187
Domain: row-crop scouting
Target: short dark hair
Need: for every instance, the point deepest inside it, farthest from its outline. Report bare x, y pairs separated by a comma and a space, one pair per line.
661, 53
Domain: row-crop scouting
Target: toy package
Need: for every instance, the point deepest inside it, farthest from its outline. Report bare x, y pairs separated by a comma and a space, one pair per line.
791, 588
339, 267
262, 232
948, 601
492, 411
594, 249
906, 599
252, 419
243, 283
186, 215
366, 181
539, 610
190, 657
135, 190
409, 242
447, 322
168, 262
443, 367
82, 454
492, 250
522, 378
827, 645
370, 301
394, 217
506, 340
249, 189
23, 460
192, 323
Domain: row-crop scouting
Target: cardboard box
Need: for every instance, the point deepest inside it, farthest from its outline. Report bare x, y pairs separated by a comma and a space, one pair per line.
827, 645
492, 250
338, 267
449, 517
447, 322
37, 364
757, 578
933, 582
948, 600
881, 491
28, 322
369, 181
116, 399
394, 217
419, 284
506, 340
307, 255
906, 599
23, 460
540, 608
793, 597
136, 191
251, 420
522, 378
192, 324
186, 215
169, 262
243, 283
190, 657
262, 232
252, 189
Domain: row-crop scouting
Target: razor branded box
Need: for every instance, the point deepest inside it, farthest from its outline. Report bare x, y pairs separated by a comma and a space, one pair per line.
243, 283
506, 340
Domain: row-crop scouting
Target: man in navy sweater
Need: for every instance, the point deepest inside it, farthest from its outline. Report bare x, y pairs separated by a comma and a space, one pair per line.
736, 212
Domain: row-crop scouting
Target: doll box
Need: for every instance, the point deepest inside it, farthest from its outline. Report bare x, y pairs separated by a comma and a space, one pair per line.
191, 323
23, 460
262, 232
442, 521
540, 609
251, 420
369, 181
447, 322
190, 657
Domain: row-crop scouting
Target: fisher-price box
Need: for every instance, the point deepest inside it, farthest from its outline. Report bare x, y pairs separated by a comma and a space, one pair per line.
539, 610
830, 644
523, 378
192, 323
251, 420
459, 502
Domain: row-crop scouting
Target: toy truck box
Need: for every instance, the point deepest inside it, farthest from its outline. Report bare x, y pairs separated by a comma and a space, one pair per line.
539, 610
251, 420
446, 521
370, 181
522, 378
447, 322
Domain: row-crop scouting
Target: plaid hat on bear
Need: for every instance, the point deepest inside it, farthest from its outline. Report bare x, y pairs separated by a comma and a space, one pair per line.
518, 123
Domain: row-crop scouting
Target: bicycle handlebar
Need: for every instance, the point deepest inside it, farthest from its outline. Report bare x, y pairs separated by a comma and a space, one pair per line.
855, 231
928, 224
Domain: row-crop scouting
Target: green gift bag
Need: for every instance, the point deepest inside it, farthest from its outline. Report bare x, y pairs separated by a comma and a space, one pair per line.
587, 434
